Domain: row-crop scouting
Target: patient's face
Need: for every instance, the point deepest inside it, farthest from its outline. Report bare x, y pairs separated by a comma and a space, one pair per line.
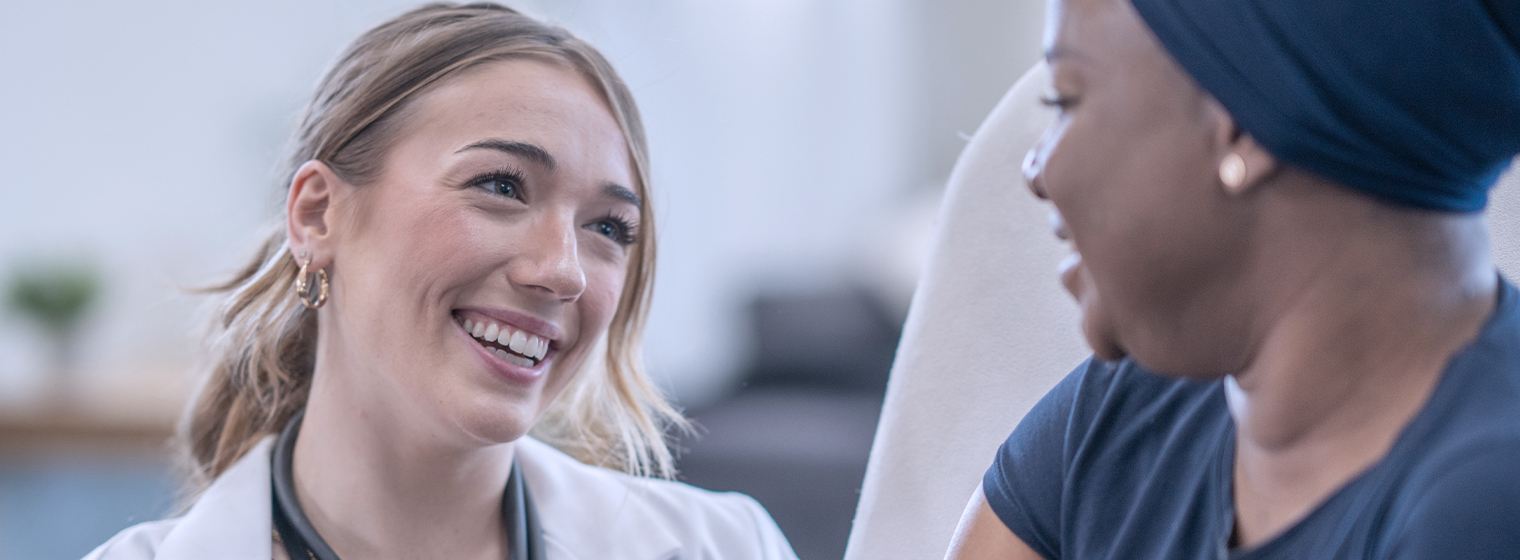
1129, 165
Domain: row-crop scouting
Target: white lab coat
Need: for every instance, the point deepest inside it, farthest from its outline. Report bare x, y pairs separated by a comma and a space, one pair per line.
587, 513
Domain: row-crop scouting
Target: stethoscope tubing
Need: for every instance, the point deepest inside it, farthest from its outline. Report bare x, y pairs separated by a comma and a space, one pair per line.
518, 514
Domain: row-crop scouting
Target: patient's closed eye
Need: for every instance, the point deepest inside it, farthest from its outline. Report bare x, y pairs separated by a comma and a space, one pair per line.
1057, 100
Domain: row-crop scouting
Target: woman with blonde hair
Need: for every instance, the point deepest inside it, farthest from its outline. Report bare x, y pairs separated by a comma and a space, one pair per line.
466, 257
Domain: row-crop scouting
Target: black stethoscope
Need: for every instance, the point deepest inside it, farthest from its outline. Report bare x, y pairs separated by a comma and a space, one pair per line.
525, 536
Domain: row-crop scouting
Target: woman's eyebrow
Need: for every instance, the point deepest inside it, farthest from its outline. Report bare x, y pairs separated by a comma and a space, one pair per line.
619, 192
530, 151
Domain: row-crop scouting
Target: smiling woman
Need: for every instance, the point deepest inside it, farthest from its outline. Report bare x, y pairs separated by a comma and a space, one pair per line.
1302, 348
466, 258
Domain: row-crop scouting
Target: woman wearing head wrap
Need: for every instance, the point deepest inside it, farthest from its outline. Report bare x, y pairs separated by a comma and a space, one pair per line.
1302, 347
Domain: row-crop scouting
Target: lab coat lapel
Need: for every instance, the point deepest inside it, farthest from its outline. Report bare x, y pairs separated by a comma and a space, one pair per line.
232, 519
589, 514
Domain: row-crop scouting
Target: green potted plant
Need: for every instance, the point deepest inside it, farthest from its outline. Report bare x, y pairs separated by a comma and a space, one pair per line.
56, 295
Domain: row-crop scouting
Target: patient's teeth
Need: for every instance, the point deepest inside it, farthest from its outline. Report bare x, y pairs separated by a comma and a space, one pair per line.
477, 330
504, 336
468, 325
543, 347
518, 360
490, 333
519, 342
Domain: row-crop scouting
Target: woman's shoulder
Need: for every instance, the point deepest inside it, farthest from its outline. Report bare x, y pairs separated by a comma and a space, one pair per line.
140, 541
1097, 394
229, 521
595, 512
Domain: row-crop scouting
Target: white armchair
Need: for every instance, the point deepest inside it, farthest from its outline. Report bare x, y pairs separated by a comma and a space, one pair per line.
989, 332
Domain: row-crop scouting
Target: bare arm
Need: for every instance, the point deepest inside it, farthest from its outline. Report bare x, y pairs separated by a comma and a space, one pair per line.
982, 536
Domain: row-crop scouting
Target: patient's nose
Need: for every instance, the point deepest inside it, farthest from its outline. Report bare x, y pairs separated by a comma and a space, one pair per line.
1034, 164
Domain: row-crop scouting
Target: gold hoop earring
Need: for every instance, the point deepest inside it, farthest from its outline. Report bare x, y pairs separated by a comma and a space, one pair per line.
303, 287
1232, 171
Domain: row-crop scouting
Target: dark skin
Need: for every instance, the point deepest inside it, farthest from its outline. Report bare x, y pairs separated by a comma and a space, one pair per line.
1329, 314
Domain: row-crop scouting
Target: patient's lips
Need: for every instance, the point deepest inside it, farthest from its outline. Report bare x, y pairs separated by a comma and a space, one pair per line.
1070, 278
1069, 265
1058, 226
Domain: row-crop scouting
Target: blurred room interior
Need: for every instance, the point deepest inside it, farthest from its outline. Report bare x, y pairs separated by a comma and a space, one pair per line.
799, 149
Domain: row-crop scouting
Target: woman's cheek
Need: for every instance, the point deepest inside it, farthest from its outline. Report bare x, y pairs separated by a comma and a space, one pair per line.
600, 300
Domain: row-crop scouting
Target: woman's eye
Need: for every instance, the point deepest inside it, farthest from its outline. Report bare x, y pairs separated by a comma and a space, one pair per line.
615, 229
504, 183
503, 188
1058, 101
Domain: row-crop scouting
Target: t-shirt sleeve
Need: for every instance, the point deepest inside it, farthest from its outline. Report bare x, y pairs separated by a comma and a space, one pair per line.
1471, 511
1023, 486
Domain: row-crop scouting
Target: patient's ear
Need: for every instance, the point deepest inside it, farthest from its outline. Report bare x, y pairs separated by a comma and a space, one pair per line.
1243, 163
310, 212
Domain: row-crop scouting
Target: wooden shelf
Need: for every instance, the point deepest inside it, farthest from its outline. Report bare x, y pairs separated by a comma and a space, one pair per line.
62, 428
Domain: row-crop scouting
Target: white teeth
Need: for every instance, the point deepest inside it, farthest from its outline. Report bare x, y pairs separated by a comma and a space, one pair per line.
467, 325
530, 345
514, 359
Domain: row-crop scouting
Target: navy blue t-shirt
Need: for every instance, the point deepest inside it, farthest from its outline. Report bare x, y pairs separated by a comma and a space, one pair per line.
1117, 462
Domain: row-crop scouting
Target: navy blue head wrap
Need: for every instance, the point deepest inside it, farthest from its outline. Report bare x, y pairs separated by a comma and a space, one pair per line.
1413, 101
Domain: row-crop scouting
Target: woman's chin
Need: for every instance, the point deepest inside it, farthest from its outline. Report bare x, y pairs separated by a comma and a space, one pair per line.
1100, 335
498, 430
1106, 349
492, 419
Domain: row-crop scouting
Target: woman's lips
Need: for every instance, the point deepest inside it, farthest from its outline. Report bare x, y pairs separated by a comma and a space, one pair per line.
511, 352
1070, 266
1070, 270
511, 343
1058, 226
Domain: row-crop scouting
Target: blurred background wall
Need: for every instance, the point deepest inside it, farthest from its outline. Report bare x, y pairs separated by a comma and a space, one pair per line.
799, 148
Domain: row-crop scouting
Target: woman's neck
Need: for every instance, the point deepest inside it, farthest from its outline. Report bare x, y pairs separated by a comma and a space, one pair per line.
377, 485
1372, 314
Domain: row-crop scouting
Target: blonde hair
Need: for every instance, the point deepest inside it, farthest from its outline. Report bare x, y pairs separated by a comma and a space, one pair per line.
262, 339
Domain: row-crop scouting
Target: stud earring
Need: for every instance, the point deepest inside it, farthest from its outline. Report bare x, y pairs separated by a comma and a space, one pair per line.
1232, 171
303, 286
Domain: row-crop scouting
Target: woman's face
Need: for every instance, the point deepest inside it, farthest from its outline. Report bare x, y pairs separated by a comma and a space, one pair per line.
473, 279
1130, 165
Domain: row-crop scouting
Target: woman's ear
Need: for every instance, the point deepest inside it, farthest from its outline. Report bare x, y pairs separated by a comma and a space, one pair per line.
308, 213
1243, 163
1255, 163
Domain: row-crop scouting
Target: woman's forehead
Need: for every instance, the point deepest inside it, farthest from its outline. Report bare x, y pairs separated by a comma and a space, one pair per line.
518, 93
542, 104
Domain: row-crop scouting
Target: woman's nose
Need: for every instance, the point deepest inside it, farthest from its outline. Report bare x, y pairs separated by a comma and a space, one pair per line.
551, 262
1034, 166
